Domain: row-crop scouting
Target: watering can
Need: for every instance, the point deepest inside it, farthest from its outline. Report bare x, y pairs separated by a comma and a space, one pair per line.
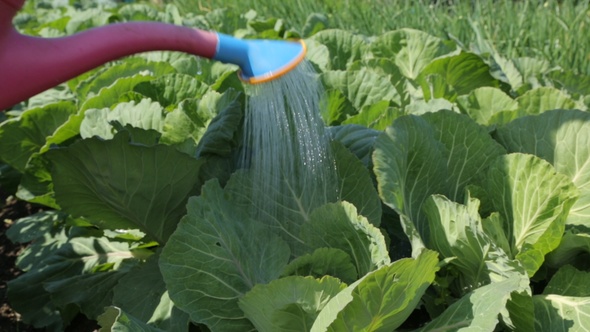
30, 65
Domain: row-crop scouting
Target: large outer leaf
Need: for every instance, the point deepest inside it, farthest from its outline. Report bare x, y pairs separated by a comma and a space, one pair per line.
185, 122
563, 139
543, 99
193, 117
520, 311
377, 116
115, 93
21, 137
142, 294
537, 101
183, 63
575, 242
216, 255
171, 89
362, 87
470, 149
226, 116
533, 200
289, 304
31, 300
420, 106
56, 94
87, 18
483, 103
36, 185
524, 73
565, 303
115, 319
437, 153
68, 130
324, 261
356, 185
573, 83
213, 122
411, 49
387, 66
45, 232
457, 233
569, 281
478, 310
337, 108
343, 46
531, 68
290, 211
318, 54
557, 313
118, 185
464, 72
505, 70
145, 114
410, 166
66, 275
127, 68
34, 226
381, 300
91, 292
337, 225
476, 257
358, 139
314, 23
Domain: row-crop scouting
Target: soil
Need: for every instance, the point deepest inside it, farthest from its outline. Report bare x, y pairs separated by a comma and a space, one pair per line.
10, 321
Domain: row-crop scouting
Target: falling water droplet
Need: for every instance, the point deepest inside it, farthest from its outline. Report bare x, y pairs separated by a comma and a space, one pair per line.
199, 69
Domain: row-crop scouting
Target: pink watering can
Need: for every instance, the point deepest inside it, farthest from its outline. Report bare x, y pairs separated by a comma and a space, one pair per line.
30, 65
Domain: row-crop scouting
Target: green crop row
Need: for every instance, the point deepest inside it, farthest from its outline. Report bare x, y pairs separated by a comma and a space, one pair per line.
556, 31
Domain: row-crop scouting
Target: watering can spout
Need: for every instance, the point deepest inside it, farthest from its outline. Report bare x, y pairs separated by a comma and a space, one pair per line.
30, 65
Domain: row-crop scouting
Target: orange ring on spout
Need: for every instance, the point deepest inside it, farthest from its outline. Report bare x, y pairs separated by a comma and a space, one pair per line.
280, 72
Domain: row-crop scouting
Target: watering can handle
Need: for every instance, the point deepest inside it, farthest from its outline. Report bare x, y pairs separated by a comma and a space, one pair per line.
30, 65
8, 9
16, 4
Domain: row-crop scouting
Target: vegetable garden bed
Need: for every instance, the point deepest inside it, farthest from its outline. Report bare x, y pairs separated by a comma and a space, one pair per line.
464, 190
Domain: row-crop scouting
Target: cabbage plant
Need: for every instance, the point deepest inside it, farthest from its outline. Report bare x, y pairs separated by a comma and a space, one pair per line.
463, 179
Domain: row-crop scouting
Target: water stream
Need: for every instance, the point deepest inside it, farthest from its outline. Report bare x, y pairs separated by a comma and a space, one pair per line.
287, 146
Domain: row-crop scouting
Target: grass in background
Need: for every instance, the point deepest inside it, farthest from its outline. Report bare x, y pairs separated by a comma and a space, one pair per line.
552, 30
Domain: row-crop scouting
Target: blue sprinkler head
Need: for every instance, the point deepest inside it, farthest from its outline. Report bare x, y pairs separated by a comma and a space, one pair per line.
260, 60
